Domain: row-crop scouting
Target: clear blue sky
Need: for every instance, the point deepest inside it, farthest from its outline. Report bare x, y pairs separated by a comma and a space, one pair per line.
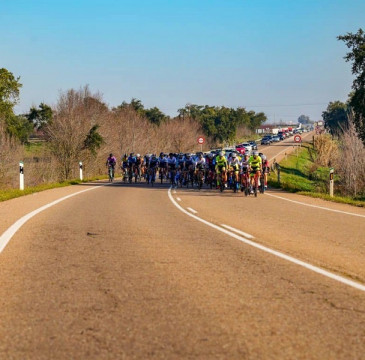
280, 57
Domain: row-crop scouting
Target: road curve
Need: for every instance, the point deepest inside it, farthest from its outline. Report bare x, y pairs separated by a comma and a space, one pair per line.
120, 272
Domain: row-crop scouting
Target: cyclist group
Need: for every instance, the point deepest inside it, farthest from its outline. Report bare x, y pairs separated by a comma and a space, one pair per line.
248, 173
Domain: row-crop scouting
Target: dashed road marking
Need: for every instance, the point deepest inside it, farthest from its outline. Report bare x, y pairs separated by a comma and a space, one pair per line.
248, 236
192, 210
291, 259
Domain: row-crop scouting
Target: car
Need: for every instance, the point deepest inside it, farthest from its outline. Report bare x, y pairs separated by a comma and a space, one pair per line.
276, 138
265, 141
281, 136
242, 150
247, 145
253, 144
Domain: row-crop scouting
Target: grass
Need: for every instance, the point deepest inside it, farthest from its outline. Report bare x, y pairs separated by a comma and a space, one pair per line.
299, 174
8, 194
35, 148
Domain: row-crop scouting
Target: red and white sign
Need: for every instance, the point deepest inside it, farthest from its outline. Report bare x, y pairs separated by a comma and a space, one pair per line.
201, 140
297, 138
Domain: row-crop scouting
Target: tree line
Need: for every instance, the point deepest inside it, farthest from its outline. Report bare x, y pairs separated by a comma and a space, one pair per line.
338, 115
220, 124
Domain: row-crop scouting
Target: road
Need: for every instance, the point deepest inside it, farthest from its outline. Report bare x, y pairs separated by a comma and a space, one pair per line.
121, 272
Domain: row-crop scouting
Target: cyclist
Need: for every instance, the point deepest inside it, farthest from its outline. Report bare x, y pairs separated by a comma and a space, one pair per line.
138, 164
131, 163
124, 164
256, 166
265, 168
152, 166
245, 166
234, 165
221, 165
171, 161
189, 166
111, 162
162, 160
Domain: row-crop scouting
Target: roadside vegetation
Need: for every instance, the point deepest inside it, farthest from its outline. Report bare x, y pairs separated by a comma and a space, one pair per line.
306, 172
7, 194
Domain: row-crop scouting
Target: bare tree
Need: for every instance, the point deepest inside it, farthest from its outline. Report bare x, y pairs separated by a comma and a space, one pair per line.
76, 112
352, 162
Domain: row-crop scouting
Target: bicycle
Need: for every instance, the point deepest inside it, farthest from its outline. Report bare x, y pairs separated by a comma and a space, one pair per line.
256, 174
245, 182
222, 179
151, 175
200, 178
172, 175
111, 173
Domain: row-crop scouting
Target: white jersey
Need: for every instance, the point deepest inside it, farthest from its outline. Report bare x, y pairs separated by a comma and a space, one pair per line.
200, 162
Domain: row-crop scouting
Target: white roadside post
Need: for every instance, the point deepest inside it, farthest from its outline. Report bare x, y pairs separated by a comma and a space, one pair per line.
331, 181
21, 175
80, 165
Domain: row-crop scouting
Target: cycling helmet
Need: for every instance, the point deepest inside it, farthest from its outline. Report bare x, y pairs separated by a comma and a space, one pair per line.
110, 154
263, 157
138, 155
200, 155
210, 155
233, 155
171, 154
161, 154
131, 154
255, 153
260, 154
221, 153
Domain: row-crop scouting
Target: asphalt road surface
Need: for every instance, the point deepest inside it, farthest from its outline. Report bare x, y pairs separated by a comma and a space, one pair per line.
123, 272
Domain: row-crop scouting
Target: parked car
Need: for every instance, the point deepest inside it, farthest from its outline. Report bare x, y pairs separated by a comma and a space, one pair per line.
276, 138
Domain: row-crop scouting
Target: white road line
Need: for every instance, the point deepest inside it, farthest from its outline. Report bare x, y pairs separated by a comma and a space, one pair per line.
192, 210
248, 236
178, 199
315, 206
9, 233
316, 269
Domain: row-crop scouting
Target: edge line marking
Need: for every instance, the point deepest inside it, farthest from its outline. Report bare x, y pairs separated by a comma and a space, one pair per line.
291, 259
10, 231
315, 206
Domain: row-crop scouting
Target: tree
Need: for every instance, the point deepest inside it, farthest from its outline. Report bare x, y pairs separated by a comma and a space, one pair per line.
9, 88
72, 133
356, 42
93, 140
18, 127
335, 117
9, 94
304, 119
40, 117
155, 115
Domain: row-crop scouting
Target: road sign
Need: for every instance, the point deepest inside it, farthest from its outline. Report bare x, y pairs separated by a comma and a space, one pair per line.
297, 138
200, 140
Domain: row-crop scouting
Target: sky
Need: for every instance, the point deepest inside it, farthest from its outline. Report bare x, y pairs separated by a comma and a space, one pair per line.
279, 57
